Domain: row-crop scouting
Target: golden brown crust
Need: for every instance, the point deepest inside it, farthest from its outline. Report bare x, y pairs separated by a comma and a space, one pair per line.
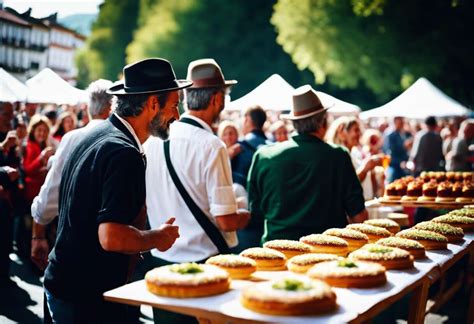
302, 263
415, 248
266, 259
177, 291
386, 223
357, 282
237, 266
354, 238
452, 233
389, 257
264, 298
466, 223
289, 248
374, 233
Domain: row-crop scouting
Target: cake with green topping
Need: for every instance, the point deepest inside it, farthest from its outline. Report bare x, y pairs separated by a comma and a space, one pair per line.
415, 248
429, 240
389, 257
452, 233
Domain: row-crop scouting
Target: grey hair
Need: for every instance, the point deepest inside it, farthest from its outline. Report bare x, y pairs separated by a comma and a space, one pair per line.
199, 98
311, 124
98, 96
133, 105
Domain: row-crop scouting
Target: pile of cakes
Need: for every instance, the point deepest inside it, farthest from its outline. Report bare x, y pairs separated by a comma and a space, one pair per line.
441, 187
357, 256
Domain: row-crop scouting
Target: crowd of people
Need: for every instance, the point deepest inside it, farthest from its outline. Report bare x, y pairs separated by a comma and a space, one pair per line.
127, 174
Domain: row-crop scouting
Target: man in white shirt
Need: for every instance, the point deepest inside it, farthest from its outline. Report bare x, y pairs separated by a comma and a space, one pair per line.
44, 208
202, 165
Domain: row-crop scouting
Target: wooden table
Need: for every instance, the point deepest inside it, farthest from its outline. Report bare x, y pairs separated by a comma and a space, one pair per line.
355, 305
416, 204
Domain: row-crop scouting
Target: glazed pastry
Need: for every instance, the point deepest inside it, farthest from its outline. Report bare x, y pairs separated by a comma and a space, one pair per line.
347, 273
457, 189
453, 234
467, 176
289, 296
302, 263
430, 240
389, 257
451, 176
444, 192
430, 190
266, 259
466, 223
187, 280
391, 192
355, 239
237, 266
414, 190
440, 176
425, 176
386, 223
289, 248
458, 176
413, 247
321, 243
467, 193
374, 233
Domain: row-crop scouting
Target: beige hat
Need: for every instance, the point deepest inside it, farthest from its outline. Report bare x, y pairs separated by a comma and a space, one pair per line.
305, 104
206, 73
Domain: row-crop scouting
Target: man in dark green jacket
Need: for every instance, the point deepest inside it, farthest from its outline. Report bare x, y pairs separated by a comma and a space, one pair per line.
304, 185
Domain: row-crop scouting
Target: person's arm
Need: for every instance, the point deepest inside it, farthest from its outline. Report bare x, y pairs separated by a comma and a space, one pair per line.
359, 218
39, 246
223, 205
120, 238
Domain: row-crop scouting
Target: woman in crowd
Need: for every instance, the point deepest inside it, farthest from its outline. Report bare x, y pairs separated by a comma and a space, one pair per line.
345, 131
279, 131
66, 122
37, 153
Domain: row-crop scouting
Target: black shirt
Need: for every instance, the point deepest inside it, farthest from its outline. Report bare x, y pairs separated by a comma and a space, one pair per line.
102, 181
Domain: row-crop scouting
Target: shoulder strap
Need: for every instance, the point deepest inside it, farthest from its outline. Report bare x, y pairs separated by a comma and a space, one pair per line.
211, 230
190, 121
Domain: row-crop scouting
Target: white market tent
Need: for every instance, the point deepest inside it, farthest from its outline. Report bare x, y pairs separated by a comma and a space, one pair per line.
272, 94
340, 108
420, 100
48, 87
11, 89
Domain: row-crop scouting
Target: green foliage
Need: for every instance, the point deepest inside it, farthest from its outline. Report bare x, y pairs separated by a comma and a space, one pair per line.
384, 44
111, 33
236, 33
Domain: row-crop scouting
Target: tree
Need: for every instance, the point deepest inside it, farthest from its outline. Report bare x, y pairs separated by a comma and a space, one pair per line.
104, 54
384, 44
237, 33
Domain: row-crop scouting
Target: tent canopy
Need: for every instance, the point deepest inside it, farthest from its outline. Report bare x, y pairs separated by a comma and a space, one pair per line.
11, 89
340, 108
48, 87
272, 94
419, 101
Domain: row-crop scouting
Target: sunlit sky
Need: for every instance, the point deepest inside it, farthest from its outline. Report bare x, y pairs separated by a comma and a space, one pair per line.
42, 8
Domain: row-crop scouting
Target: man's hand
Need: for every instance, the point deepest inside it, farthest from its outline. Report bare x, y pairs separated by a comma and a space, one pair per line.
10, 141
244, 218
12, 173
39, 253
234, 150
167, 235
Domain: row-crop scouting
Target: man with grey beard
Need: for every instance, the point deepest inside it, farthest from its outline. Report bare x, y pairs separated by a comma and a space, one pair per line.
102, 196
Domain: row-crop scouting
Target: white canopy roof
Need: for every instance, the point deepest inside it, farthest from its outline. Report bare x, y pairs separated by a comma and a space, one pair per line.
340, 108
11, 89
419, 101
272, 94
48, 87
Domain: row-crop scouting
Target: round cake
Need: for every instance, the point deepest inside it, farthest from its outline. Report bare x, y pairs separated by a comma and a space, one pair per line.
289, 296
430, 240
391, 192
289, 248
467, 212
355, 239
321, 243
374, 233
413, 247
386, 223
444, 192
348, 273
266, 259
389, 257
452, 233
430, 191
466, 223
414, 190
237, 266
302, 263
187, 280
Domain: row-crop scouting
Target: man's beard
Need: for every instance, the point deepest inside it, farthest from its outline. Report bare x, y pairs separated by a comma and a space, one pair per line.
160, 127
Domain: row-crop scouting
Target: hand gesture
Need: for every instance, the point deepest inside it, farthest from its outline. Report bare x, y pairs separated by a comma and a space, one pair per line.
234, 150
10, 141
167, 234
46, 154
39, 253
11, 172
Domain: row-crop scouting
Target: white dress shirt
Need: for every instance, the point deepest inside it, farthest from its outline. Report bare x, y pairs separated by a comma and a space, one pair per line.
44, 208
203, 166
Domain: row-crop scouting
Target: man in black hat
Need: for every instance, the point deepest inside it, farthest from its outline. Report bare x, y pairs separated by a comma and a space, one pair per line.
102, 199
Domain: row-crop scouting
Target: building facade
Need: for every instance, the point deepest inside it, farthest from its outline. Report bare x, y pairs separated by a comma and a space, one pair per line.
29, 44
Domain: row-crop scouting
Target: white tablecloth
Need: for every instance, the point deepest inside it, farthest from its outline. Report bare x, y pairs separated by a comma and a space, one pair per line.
352, 302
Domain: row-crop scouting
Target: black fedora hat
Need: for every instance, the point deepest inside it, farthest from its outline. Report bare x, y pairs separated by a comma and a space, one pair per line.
152, 75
